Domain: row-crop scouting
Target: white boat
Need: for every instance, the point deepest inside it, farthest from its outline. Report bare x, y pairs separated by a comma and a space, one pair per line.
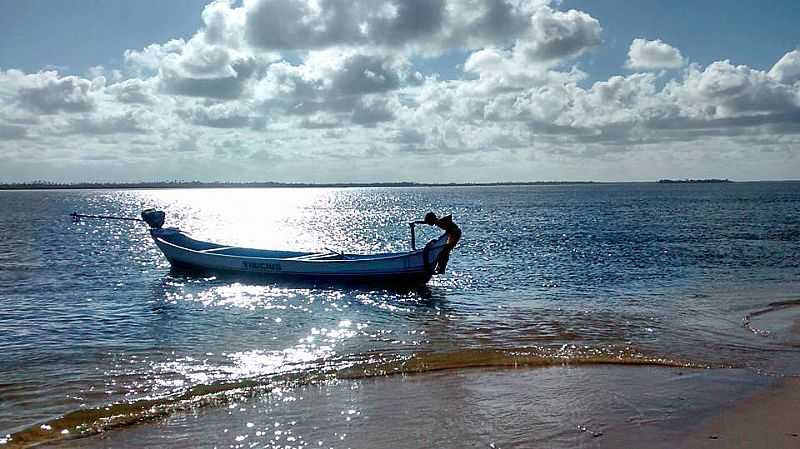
413, 267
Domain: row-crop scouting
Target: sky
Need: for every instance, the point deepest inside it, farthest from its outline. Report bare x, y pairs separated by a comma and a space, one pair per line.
398, 90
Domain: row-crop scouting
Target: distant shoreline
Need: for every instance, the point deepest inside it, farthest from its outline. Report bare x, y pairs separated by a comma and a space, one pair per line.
238, 185
693, 181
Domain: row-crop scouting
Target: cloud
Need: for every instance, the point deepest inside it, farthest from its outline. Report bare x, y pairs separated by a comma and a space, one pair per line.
336, 87
185, 144
433, 26
361, 74
206, 71
320, 121
48, 93
351, 88
556, 35
133, 91
370, 111
150, 57
222, 115
223, 24
130, 122
12, 132
787, 69
197, 68
725, 90
265, 156
650, 55
408, 136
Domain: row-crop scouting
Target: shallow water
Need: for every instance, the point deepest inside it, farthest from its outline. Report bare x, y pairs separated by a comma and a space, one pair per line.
551, 407
97, 333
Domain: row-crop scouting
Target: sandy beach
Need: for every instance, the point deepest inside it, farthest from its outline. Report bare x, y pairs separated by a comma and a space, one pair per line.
769, 419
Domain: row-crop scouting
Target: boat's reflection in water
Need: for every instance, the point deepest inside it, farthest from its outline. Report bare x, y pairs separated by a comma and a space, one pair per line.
427, 294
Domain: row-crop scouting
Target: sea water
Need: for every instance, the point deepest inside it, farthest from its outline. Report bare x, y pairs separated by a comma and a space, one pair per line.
558, 301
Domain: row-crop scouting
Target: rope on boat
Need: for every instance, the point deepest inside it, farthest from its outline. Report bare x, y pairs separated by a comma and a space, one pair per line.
76, 217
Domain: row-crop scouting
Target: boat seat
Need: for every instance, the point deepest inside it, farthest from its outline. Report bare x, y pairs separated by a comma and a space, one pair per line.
211, 250
318, 256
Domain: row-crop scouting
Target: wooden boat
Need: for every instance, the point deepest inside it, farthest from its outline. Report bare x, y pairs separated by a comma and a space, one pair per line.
413, 267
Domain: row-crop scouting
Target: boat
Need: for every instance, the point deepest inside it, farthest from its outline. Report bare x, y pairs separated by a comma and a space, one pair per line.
414, 267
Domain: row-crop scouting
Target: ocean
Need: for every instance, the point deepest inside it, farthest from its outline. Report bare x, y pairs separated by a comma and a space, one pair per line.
570, 315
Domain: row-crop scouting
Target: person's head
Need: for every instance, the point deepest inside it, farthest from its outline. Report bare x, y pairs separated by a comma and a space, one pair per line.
430, 218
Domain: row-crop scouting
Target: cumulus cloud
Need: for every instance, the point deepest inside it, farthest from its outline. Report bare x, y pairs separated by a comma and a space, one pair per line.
787, 69
350, 87
556, 35
370, 110
430, 25
206, 71
134, 91
303, 24
365, 74
150, 57
223, 24
196, 68
725, 90
339, 85
650, 55
48, 93
224, 115
130, 122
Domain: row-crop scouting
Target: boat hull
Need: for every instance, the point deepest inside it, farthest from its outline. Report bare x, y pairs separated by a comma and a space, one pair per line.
407, 268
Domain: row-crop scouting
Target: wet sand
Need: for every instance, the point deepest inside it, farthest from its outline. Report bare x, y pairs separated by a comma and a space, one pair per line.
557, 407
769, 419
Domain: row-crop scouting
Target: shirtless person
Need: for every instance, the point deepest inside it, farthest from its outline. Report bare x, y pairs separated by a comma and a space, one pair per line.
453, 235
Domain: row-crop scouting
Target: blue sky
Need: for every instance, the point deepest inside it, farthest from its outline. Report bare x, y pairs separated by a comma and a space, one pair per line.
246, 93
755, 33
86, 33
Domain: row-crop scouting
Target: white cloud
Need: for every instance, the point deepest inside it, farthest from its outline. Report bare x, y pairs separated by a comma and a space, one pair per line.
556, 35
47, 93
432, 26
221, 115
134, 90
787, 69
725, 90
651, 55
150, 57
130, 122
351, 98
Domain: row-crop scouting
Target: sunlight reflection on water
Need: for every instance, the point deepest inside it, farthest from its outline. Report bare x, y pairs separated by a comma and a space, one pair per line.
92, 314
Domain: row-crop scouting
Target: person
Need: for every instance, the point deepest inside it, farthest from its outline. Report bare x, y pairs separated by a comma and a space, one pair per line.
453, 236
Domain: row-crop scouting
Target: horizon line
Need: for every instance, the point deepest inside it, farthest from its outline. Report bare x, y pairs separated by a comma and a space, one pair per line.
51, 185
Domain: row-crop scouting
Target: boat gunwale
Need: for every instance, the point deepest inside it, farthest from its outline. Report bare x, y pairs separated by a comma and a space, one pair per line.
284, 259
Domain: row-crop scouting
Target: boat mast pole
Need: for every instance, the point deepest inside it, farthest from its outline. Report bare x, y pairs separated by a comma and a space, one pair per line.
413, 236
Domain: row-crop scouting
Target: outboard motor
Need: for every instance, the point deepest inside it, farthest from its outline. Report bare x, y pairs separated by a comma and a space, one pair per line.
154, 218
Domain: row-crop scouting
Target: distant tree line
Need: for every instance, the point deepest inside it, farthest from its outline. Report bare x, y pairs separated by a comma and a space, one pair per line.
693, 181
220, 184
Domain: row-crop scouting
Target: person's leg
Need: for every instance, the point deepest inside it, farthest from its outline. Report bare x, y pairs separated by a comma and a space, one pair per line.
441, 261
